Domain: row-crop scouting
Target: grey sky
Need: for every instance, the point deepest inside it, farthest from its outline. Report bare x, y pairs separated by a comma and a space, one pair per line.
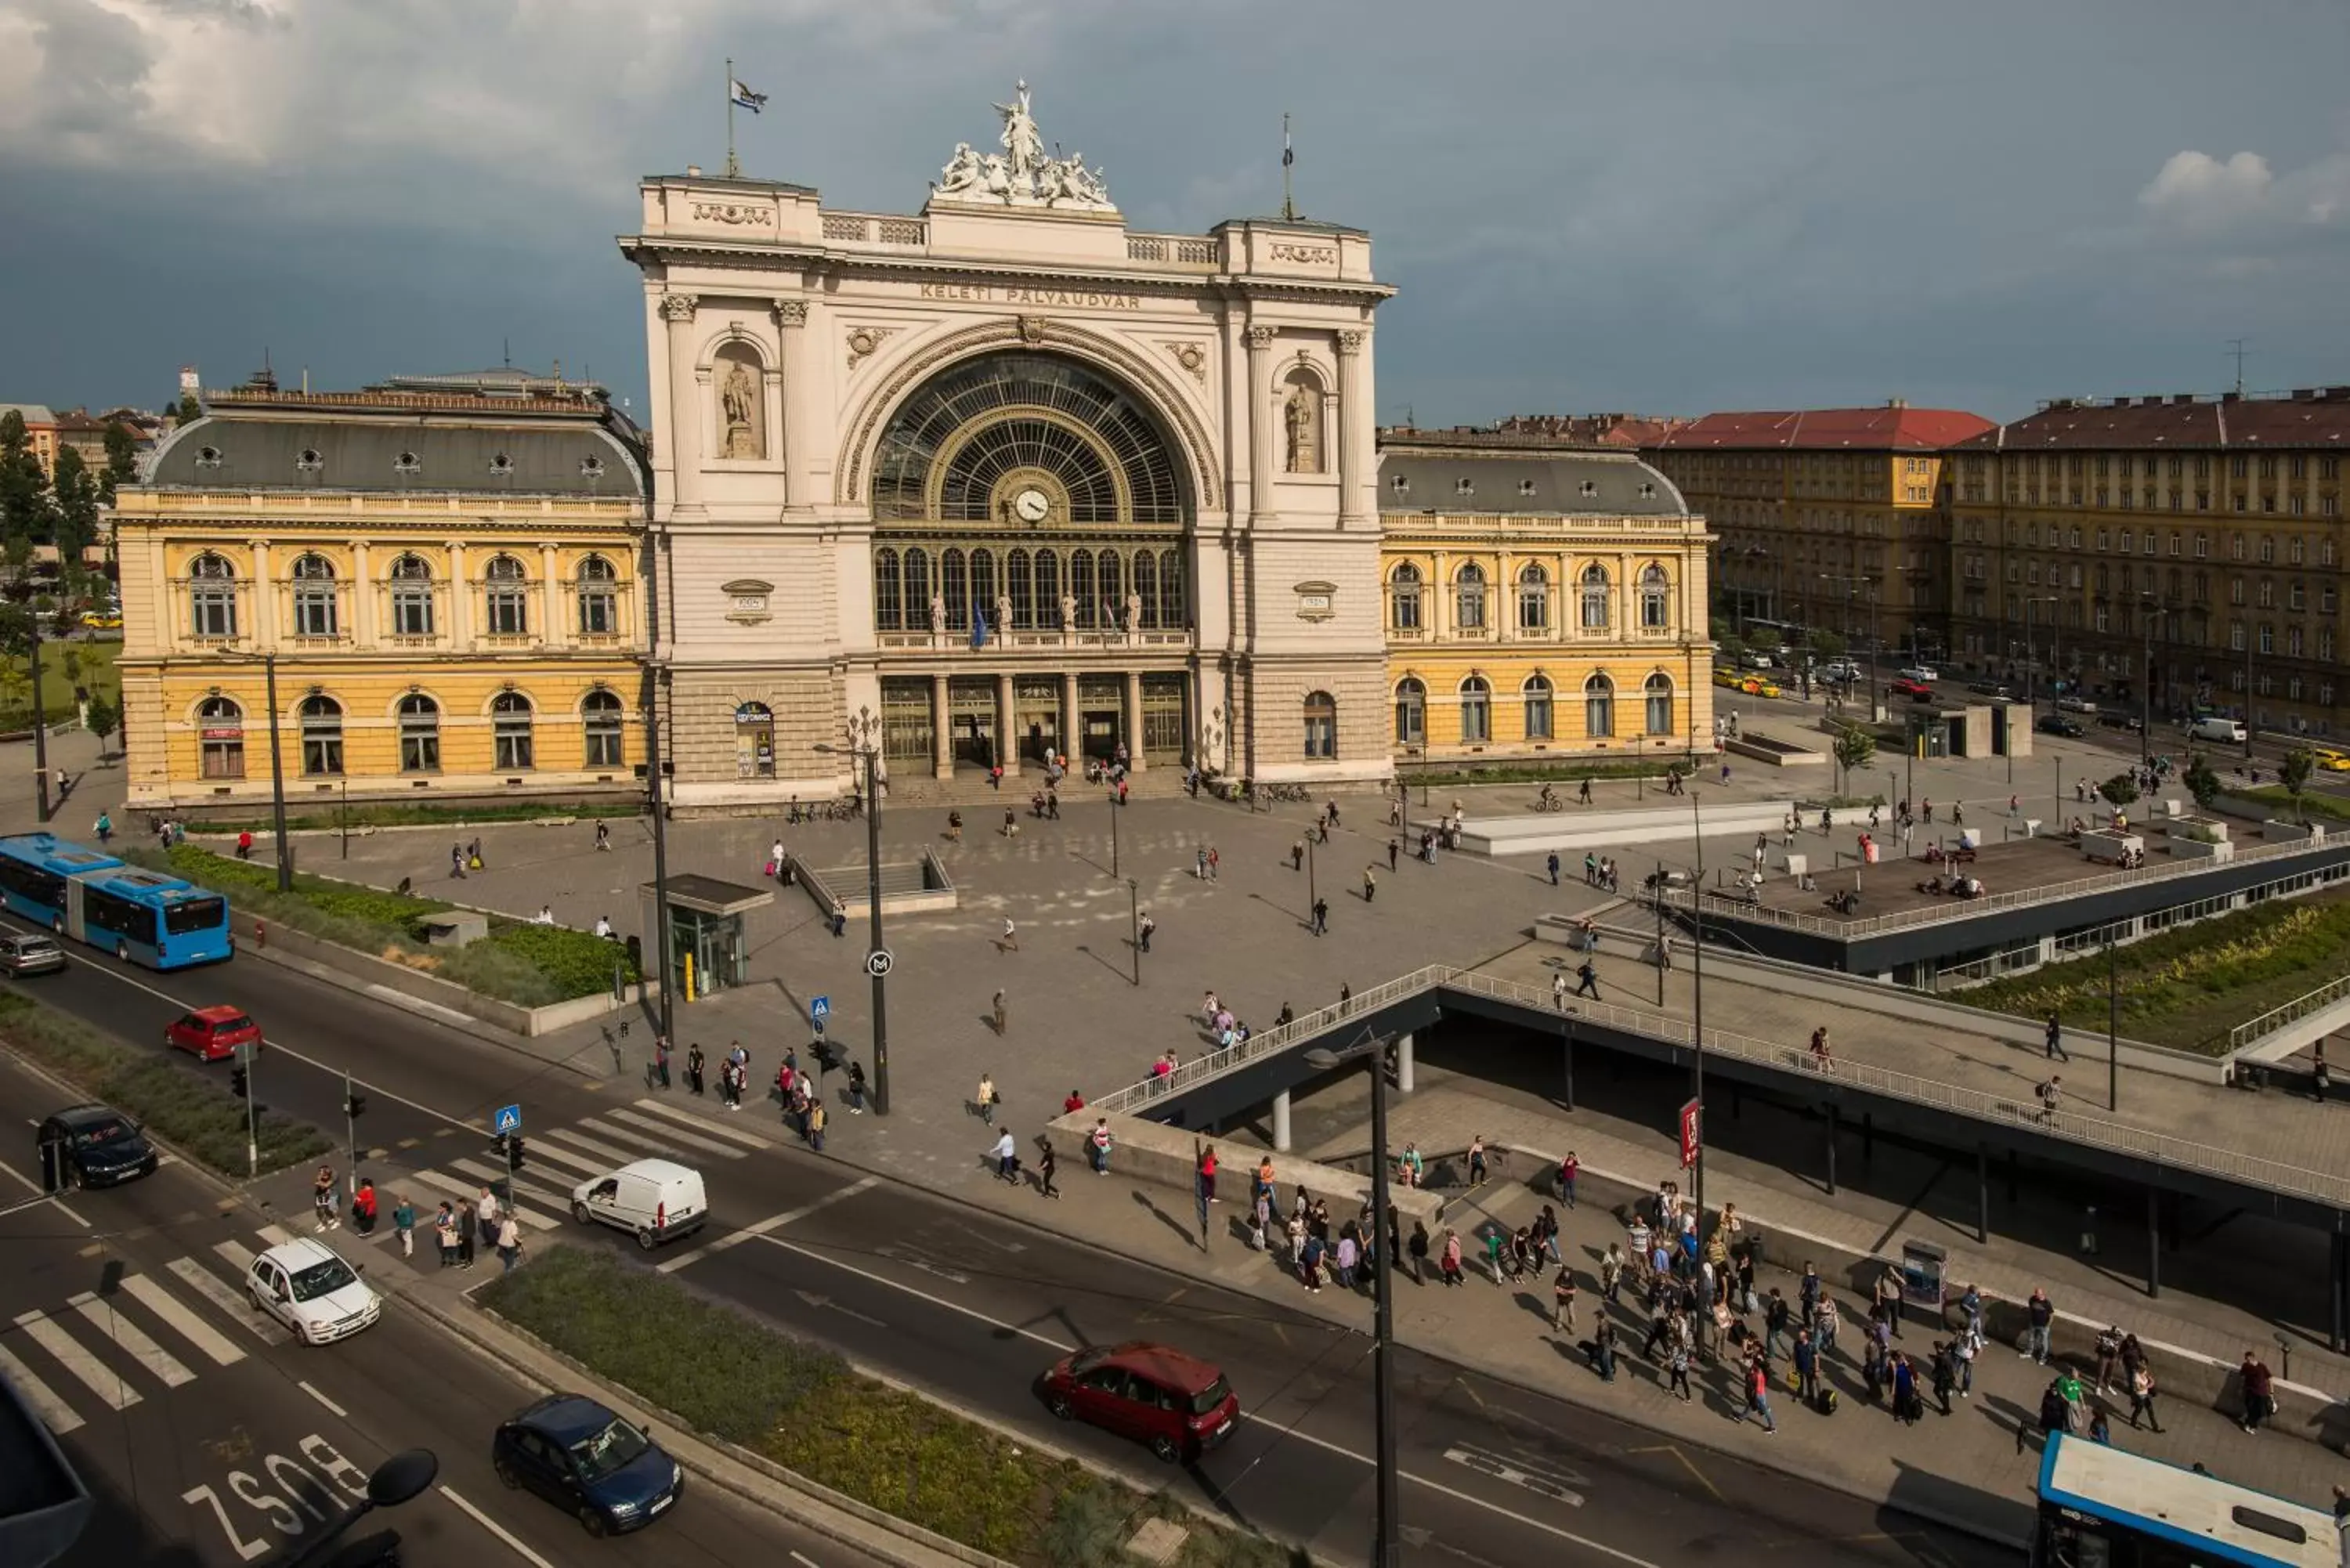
1668, 207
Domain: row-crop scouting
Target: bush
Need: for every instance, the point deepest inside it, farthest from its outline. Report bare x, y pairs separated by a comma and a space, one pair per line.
201, 1118
403, 814
578, 963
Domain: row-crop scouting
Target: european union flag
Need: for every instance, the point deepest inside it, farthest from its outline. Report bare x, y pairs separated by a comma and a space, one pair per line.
978, 627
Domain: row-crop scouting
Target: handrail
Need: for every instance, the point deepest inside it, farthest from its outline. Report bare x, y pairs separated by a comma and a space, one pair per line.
2276, 1018
2070, 1127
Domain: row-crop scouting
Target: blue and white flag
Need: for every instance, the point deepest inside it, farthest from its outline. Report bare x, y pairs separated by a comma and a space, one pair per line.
978, 627
745, 98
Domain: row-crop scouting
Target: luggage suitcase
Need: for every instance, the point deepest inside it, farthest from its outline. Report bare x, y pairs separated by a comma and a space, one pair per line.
1826, 1403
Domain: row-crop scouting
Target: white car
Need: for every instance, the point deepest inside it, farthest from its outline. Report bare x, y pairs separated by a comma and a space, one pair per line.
305, 1286
1923, 674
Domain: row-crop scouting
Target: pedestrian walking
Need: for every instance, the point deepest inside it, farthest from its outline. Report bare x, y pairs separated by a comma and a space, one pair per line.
1395, 849
1677, 1363
812, 1123
1449, 1260
2109, 1357
1098, 1145
2141, 1397
2260, 1398
1001, 1018
2052, 1093
1582, 792
1943, 1373
1370, 883
857, 1088
465, 1223
986, 1100
1587, 980
1603, 1351
1048, 1165
1010, 943
1552, 863
1417, 1252
604, 838
1200, 863
2055, 1043
693, 1067
1559, 992
322, 1199
1563, 1294
509, 1244
2320, 1079
1215, 864
1885, 1299
1477, 1159
1611, 1271
1568, 1170
403, 1225
2039, 1313
1143, 930
660, 1074
1321, 917
1007, 1158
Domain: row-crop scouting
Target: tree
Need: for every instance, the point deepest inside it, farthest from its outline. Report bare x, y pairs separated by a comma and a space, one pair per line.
2201, 782
103, 719
189, 409
2119, 790
1765, 639
1828, 644
121, 461
2294, 774
1734, 649
23, 488
74, 505
1855, 749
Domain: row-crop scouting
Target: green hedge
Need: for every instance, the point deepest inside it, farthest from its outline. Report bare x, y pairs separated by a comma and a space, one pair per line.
200, 1118
1535, 773
732, 1376
2281, 803
407, 816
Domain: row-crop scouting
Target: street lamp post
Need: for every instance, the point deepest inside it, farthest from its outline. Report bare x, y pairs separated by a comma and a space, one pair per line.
276, 777
664, 955
40, 720
1870, 584
2146, 688
1386, 1540
1697, 1007
865, 746
1134, 925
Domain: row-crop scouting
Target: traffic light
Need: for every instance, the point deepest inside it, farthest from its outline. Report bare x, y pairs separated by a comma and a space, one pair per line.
826, 1054
355, 1105
239, 1081
514, 1150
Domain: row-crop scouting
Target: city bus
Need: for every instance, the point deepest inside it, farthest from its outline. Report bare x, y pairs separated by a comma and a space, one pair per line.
146, 917
2104, 1507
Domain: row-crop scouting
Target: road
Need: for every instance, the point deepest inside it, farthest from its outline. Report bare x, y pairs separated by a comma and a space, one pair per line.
211, 1438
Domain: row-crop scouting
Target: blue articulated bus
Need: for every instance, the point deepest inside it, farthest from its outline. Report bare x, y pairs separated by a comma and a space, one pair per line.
148, 917
2106, 1508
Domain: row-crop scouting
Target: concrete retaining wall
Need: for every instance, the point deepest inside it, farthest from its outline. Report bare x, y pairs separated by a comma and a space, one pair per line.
1579, 828
1168, 1156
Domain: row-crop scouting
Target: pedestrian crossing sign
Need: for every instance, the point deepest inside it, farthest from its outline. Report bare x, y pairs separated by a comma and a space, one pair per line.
509, 1121
820, 1008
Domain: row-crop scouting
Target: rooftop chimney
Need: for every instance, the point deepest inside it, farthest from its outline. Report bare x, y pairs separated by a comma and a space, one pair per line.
1897, 402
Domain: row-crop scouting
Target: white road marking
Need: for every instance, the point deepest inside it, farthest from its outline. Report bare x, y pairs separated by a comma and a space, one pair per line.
569, 1157
803, 1561
644, 1143
772, 1223
569, 1138
207, 1284
659, 1128
236, 1253
32, 1186
143, 1289
662, 1108
132, 1339
275, 1235
494, 1528
98, 1377
39, 1394
1501, 1469
322, 1400
448, 1184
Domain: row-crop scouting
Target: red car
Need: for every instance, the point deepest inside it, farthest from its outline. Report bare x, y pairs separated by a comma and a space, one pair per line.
1178, 1405
1917, 691
213, 1034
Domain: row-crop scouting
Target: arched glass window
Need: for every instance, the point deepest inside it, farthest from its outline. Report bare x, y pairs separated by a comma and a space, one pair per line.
505, 597
420, 734
1595, 597
1170, 590
954, 586
212, 598
1081, 586
1146, 587
322, 736
889, 609
600, 717
1660, 692
599, 597
1410, 713
1017, 586
1320, 727
1109, 568
411, 597
315, 607
1537, 695
1476, 710
220, 738
982, 586
1656, 600
1048, 590
1469, 588
510, 731
917, 590
1403, 598
1599, 707
1533, 598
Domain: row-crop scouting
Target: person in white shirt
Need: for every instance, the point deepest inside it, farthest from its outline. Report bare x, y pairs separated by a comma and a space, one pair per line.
486, 1213
545, 915
604, 927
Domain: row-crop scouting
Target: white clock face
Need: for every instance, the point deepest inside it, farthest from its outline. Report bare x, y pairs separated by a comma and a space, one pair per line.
1031, 504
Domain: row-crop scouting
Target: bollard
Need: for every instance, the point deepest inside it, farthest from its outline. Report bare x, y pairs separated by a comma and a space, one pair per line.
260, 933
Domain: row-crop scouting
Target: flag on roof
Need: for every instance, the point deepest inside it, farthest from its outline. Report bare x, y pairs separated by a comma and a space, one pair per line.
745, 97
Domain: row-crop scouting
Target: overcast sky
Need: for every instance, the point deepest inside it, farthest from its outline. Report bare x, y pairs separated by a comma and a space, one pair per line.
1672, 206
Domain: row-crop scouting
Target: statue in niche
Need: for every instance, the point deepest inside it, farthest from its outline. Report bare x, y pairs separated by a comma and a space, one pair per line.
738, 400
1303, 416
1133, 611
1068, 612
1003, 613
938, 616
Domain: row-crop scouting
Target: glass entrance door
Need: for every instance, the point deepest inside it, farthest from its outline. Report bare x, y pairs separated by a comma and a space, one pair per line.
1037, 716
971, 700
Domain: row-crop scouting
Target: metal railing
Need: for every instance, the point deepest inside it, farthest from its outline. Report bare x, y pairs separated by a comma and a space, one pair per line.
2299, 1007
2069, 1127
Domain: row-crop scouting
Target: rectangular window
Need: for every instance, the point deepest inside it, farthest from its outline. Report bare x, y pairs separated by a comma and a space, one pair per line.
314, 611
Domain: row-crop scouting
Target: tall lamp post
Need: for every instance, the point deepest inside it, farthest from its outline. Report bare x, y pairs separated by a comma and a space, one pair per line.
1697, 1007
2153, 613
1870, 584
276, 772
1386, 1540
40, 719
664, 957
865, 744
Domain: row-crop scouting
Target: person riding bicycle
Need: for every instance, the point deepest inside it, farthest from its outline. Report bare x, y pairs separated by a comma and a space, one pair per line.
1547, 800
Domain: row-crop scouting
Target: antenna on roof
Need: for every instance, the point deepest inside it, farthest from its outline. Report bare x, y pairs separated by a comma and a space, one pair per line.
2236, 346
505, 351
1288, 158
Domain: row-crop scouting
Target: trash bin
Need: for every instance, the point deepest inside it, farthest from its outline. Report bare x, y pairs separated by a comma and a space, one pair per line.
1923, 1266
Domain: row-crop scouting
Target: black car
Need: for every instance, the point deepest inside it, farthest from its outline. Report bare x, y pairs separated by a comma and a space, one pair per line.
2057, 725
98, 1147
589, 1462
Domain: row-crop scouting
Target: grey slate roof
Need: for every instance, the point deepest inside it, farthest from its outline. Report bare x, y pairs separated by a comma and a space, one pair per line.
1606, 483
366, 450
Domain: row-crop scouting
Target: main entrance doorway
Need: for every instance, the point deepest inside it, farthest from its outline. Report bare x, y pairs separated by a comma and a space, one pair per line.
1101, 705
971, 700
1036, 715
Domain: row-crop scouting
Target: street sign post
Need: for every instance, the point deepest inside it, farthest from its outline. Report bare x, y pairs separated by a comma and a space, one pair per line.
252, 1142
877, 962
509, 1122
819, 1008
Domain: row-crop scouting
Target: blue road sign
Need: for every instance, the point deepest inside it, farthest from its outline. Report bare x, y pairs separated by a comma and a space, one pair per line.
509, 1121
820, 1008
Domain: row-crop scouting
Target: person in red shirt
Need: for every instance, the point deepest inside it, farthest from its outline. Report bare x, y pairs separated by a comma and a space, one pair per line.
363, 1207
1075, 1103
1208, 1173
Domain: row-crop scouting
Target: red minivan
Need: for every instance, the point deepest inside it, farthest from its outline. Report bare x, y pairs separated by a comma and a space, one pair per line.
1178, 1405
212, 1033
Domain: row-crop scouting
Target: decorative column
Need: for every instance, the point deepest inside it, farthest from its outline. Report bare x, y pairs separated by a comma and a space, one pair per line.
1260, 418
793, 363
362, 600
1133, 725
942, 729
460, 603
1350, 408
554, 631
1008, 740
264, 598
683, 438
1071, 742
1403, 1064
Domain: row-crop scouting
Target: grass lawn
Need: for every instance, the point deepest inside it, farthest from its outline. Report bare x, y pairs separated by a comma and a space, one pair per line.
2188, 987
94, 662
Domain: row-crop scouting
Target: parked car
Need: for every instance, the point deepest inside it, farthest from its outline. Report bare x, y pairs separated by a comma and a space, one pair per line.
32, 952
306, 1286
100, 1146
1917, 691
2216, 728
1757, 661
212, 1033
2058, 724
1178, 1404
1840, 669
1998, 689
2081, 705
1921, 672
2112, 720
598, 1467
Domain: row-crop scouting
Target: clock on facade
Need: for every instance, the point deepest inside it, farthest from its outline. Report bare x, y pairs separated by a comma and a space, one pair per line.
1031, 504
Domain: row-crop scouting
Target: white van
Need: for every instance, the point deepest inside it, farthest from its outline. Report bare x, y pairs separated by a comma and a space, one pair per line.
657, 1199
2215, 728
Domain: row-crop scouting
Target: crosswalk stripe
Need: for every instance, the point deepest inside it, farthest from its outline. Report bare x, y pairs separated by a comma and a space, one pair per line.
100, 1379
568, 1159
704, 1124
207, 1284
238, 1255
568, 1138
448, 1184
275, 1235
676, 1134
144, 1290
44, 1400
132, 1339
547, 1187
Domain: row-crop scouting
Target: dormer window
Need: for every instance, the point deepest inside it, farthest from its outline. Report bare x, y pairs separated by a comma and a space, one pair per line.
591, 467
502, 466
1400, 485
1526, 487
1648, 492
408, 462
1590, 489
1464, 486
308, 460
208, 457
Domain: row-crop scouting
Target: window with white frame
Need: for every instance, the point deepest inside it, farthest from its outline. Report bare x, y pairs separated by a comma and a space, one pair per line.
212, 596
600, 717
599, 597
315, 605
510, 725
505, 597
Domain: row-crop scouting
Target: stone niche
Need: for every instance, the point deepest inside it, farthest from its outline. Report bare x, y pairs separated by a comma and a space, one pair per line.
738, 384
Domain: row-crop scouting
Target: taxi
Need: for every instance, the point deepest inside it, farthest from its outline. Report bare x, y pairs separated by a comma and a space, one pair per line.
2329, 760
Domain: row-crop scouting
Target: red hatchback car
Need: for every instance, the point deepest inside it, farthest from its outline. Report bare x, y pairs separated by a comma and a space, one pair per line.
1178, 1405
213, 1034
1916, 691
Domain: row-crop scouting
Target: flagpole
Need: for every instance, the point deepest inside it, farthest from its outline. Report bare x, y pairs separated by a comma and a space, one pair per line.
1288, 207
733, 169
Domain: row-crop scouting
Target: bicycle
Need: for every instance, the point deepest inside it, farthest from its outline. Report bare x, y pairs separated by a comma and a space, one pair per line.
1550, 802
1287, 792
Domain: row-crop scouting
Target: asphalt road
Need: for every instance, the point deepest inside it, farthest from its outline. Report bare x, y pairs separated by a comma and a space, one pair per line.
211, 1438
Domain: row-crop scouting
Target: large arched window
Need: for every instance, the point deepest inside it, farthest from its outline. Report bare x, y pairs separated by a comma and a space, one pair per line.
1017, 587
1081, 586
1656, 600
212, 597
220, 738
505, 597
1533, 598
420, 734
1536, 694
888, 609
411, 597
314, 605
322, 736
1659, 693
1110, 586
1594, 587
982, 586
1170, 591
1476, 710
1403, 598
1146, 587
1468, 590
510, 719
600, 719
1048, 590
954, 586
1320, 727
1599, 707
599, 597
918, 590
1410, 713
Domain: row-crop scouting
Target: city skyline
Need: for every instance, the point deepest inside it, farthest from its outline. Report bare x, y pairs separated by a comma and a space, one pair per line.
1809, 209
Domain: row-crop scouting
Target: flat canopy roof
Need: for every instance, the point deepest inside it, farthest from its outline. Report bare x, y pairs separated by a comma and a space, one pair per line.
708, 895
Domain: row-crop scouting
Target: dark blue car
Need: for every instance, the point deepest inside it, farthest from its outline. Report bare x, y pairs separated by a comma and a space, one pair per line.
589, 1462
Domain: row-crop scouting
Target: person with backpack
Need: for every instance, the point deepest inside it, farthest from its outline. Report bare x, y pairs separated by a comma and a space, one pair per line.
2141, 1397
1807, 1368
1098, 1145
2109, 1357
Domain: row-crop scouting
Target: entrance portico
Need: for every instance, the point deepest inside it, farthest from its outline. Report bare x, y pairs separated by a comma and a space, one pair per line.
966, 717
